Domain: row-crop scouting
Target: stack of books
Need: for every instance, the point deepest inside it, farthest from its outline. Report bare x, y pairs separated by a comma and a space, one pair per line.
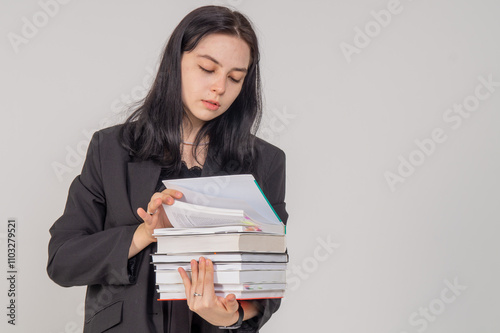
247, 246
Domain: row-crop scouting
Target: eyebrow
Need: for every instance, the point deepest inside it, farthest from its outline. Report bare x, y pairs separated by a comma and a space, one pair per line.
206, 56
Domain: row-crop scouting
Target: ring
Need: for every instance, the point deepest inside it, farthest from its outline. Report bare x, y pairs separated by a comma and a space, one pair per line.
151, 213
196, 294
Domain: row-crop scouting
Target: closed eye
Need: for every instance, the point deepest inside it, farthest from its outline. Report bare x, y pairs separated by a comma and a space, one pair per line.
209, 71
205, 70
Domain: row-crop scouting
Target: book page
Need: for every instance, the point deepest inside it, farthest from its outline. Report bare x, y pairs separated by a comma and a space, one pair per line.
234, 187
232, 192
183, 215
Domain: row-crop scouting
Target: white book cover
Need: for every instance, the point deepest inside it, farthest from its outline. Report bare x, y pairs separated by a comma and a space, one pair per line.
227, 266
220, 257
240, 295
230, 277
179, 288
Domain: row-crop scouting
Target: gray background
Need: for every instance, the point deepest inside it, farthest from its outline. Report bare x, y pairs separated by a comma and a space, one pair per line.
343, 125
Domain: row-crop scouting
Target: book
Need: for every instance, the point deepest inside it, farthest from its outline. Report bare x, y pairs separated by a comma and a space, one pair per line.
177, 287
227, 242
205, 230
221, 257
240, 295
234, 200
228, 220
240, 266
227, 277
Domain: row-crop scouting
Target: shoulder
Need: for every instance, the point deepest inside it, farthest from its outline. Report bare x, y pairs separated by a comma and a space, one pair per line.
106, 143
270, 161
108, 137
266, 150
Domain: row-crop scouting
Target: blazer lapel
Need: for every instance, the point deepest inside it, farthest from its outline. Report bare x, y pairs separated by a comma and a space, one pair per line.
142, 180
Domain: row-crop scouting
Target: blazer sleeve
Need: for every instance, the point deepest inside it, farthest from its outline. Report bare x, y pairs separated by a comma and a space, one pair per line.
273, 186
82, 249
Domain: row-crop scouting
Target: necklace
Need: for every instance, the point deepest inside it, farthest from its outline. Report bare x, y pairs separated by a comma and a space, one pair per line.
192, 143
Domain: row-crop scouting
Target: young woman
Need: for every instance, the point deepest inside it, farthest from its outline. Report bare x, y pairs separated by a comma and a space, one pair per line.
198, 119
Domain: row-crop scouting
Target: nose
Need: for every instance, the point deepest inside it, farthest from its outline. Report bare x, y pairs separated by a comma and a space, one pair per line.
219, 85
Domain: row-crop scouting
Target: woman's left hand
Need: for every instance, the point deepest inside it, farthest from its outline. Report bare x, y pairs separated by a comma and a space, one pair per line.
201, 298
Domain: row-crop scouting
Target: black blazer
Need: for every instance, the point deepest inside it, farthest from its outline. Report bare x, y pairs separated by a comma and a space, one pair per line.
90, 242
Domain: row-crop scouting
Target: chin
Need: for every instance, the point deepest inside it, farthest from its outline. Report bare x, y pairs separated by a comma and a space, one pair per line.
208, 115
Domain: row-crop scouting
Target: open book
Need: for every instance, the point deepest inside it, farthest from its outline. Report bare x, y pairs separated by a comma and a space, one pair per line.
220, 204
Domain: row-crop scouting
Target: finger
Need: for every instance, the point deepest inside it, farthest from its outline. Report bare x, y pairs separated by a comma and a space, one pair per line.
200, 277
187, 283
154, 204
208, 285
157, 220
168, 196
230, 303
159, 198
148, 219
194, 278
163, 218
174, 193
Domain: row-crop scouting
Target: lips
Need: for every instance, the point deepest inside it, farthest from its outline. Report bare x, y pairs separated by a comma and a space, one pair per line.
211, 104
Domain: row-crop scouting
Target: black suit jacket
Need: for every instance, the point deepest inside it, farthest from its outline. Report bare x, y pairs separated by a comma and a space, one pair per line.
90, 242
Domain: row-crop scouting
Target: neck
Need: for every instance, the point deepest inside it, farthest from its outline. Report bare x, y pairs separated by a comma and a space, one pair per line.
190, 130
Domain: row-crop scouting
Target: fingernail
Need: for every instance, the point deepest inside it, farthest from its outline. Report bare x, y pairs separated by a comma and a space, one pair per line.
178, 194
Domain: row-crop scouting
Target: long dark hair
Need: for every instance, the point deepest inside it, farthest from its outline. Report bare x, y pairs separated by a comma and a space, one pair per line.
153, 131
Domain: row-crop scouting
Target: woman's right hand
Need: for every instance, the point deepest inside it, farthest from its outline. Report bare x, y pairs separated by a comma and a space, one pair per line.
154, 217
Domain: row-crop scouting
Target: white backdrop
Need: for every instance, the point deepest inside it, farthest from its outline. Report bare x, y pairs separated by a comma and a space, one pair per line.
388, 113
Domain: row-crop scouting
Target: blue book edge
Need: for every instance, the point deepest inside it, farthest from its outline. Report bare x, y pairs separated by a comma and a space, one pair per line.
262, 192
